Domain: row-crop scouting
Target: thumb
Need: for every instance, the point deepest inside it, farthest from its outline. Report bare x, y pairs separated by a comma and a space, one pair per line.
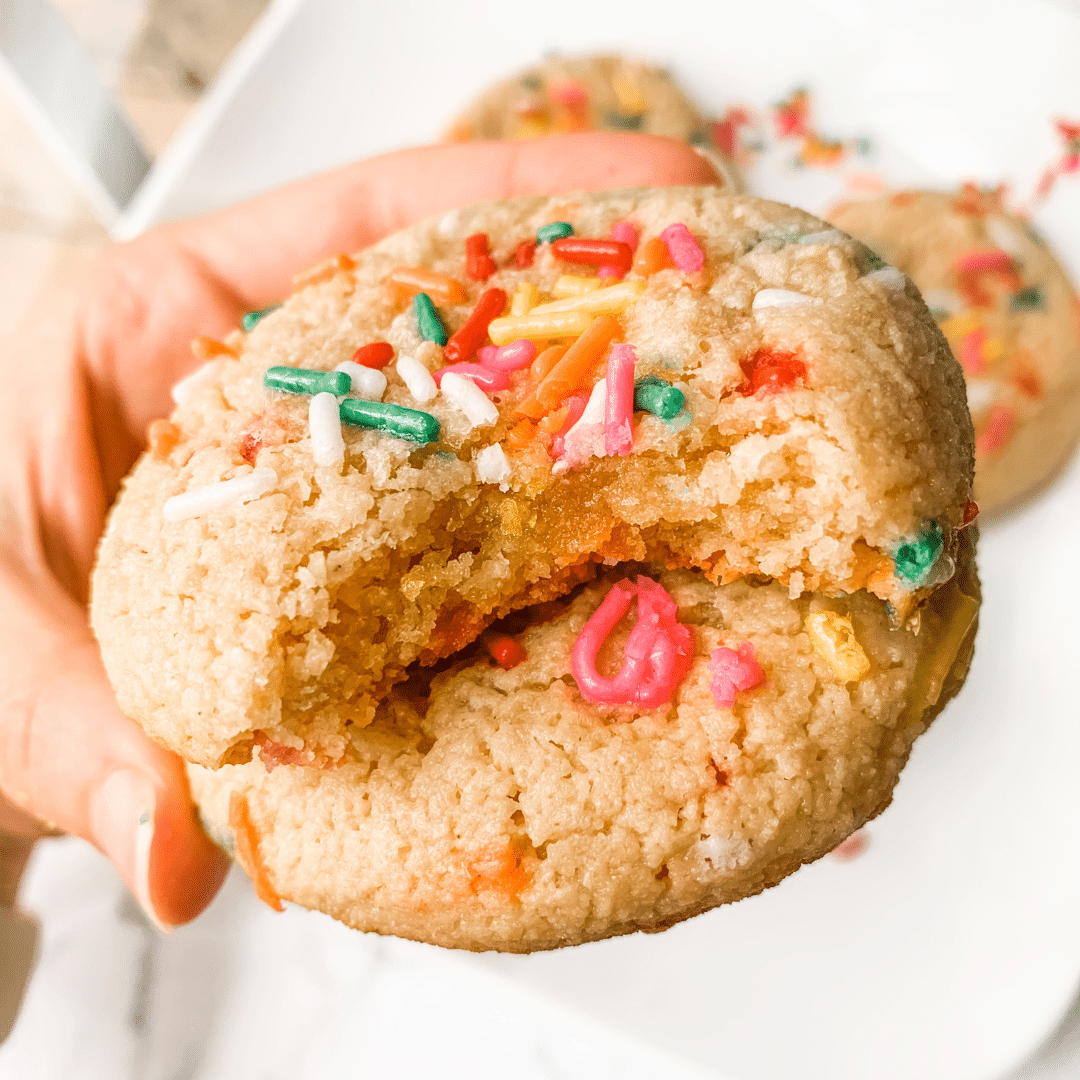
69, 756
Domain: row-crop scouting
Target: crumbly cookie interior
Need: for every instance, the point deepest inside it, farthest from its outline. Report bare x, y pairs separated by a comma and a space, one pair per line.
488, 808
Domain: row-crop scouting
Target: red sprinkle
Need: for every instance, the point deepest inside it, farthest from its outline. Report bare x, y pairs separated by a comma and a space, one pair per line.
983, 262
971, 512
998, 431
523, 254
971, 351
472, 334
487, 379
507, 653
479, 265
580, 249
376, 355
771, 370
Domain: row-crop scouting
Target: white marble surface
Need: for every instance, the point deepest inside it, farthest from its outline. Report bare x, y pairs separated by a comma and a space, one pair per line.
246, 994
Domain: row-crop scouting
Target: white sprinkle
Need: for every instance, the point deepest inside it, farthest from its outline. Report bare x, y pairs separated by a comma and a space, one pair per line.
220, 496
417, 379
1005, 235
447, 224
722, 852
492, 466
890, 277
585, 439
367, 382
980, 394
183, 391
943, 300
324, 424
465, 395
769, 298
826, 236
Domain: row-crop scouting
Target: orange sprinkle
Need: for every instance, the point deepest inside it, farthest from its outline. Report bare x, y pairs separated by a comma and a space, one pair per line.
501, 869
554, 421
652, 256
573, 369
543, 364
520, 435
323, 271
162, 435
247, 850
205, 348
441, 289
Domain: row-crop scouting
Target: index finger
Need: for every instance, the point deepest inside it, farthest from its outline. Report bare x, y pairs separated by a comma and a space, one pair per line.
255, 248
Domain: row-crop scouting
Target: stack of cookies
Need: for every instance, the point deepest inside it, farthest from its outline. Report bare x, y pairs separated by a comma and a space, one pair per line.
567, 566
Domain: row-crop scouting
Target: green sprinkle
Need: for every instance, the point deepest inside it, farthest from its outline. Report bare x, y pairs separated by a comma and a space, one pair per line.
873, 260
427, 319
555, 231
624, 121
1029, 299
656, 396
396, 420
531, 82
144, 818
253, 317
914, 558
304, 381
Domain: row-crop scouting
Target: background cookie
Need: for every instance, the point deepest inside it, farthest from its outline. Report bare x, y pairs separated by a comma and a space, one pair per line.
1009, 313
247, 590
589, 93
501, 810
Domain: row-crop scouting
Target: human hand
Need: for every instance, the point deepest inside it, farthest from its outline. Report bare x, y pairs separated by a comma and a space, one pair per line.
84, 376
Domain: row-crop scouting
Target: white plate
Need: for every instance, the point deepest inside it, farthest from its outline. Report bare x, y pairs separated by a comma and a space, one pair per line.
952, 946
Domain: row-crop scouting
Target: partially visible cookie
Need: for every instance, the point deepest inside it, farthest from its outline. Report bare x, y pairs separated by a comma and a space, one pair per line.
1009, 313
500, 809
589, 93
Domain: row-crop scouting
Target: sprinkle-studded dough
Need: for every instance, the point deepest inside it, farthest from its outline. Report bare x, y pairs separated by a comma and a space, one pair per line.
499, 810
289, 617
1015, 330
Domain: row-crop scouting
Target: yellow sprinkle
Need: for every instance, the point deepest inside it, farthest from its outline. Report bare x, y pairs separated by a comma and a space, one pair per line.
630, 97
526, 297
609, 301
532, 128
572, 285
833, 639
956, 326
539, 326
993, 349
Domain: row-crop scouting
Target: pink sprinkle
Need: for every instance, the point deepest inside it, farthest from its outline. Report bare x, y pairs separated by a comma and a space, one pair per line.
511, 357
971, 351
489, 381
998, 431
852, 847
575, 406
976, 262
683, 248
734, 672
610, 271
619, 404
625, 233
568, 93
658, 652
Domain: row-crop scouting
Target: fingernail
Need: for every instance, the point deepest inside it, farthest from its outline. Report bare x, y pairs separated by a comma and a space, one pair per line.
721, 172
123, 824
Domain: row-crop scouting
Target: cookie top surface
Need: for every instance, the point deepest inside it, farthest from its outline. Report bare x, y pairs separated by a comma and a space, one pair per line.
583, 94
499, 809
824, 427
1010, 315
